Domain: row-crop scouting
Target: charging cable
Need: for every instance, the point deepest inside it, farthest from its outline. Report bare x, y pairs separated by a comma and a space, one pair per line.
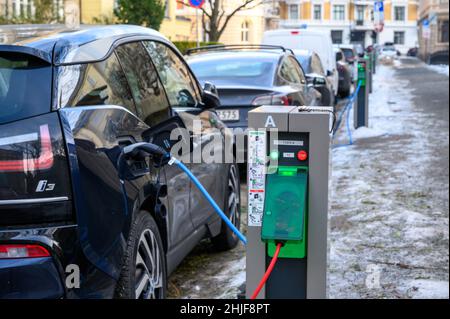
268, 271
166, 158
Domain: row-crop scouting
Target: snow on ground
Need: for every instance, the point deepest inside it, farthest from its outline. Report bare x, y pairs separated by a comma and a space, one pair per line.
441, 68
389, 235
389, 230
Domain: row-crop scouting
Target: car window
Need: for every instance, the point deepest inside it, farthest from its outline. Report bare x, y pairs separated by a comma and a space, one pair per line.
98, 83
316, 65
149, 97
348, 53
290, 71
305, 62
299, 69
234, 69
21, 77
178, 82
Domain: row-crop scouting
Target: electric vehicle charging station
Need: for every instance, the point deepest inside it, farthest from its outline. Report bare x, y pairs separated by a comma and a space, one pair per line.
361, 111
288, 200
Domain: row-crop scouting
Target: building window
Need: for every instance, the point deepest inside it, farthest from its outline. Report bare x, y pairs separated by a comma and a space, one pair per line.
359, 15
293, 12
443, 32
14, 8
245, 31
166, 9
339, 12
317, 12
337, 36
399, 37
399, 13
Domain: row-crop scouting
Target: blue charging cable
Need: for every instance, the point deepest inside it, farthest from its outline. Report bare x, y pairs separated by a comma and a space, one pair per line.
166, 158
347, 109
205, 193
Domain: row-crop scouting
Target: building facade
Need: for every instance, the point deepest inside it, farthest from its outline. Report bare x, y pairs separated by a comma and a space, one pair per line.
92, 11
245, 27
433, 31
353, 21
10, 9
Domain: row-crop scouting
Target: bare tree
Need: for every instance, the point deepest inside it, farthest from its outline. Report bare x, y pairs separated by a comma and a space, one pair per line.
215, 17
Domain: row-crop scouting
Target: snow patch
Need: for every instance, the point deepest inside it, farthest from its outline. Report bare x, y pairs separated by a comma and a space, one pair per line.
428, 289
366, 132
440, 68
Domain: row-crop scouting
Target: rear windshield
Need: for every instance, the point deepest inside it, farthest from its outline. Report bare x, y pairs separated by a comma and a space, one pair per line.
25, 86
235, 70
348, 53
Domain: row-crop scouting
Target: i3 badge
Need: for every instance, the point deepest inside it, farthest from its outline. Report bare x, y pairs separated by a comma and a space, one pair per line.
44, 186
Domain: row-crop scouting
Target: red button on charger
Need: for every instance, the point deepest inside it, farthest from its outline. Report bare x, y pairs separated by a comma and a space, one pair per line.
302, 155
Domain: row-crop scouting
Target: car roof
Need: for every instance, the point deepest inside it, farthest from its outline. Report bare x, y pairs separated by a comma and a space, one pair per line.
212, 55
289, 31
303, 52
346, 46
60, 45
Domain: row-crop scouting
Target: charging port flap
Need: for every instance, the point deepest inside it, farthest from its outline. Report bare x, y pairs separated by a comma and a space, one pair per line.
285, 204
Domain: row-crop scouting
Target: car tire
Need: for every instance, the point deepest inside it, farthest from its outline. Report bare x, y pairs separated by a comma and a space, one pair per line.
143, 274
345, 92
227, 239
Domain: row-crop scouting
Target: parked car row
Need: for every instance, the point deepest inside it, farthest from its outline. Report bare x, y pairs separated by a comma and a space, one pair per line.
71, 100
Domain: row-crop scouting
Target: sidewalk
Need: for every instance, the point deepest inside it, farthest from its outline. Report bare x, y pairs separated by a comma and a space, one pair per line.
389, 200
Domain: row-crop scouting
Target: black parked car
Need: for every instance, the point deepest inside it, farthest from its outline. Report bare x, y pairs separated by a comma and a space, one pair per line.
248, 76
69, 102
316, 75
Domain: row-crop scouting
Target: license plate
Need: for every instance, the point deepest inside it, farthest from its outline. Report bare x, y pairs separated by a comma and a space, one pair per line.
228, 115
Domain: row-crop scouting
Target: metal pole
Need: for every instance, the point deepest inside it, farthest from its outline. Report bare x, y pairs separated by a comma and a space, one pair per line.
196, 17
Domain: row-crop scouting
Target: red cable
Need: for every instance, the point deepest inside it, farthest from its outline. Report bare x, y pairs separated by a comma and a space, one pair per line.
268, 271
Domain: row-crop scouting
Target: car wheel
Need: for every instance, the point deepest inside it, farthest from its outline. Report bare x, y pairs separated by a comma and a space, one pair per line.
227, 239
143, 274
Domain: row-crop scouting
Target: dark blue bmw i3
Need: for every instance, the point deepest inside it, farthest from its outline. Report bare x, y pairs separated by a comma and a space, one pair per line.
74, 221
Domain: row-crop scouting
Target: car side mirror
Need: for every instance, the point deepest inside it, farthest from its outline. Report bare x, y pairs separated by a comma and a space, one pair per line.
315, 80
210, 96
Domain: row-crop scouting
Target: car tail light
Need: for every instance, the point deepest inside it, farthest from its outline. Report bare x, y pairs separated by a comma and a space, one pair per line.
42, 162
295, 32
22, 251
272, 100
34, 173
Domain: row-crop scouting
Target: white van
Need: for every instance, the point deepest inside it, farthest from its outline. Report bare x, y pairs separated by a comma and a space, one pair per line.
319, 42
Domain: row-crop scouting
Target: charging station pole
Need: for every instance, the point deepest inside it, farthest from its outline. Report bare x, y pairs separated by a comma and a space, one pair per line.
361, 111
288, 200
368, 58
374, 61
